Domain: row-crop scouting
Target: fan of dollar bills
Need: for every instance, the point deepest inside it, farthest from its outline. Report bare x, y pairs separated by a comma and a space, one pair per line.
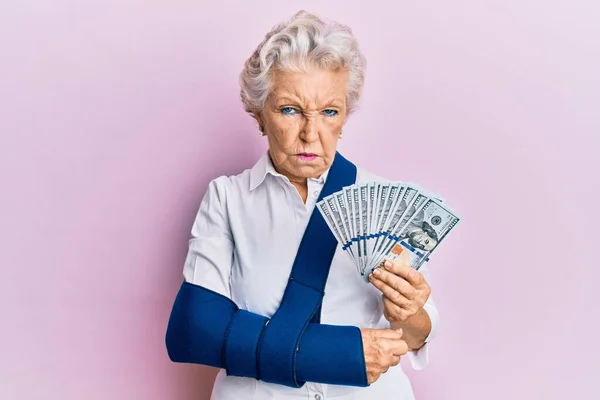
375, 221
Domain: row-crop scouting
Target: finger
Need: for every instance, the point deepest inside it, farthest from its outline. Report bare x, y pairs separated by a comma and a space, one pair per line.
400, 303
396, 310
399, 348
375, 334
385, 289
394, 347
402, 348
392, 294
396, 282
399, 313
404, 270
387, 334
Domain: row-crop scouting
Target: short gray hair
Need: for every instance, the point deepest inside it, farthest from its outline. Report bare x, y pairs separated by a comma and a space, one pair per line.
292, 45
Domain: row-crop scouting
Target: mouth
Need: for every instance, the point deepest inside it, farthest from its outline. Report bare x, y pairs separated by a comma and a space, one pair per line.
306, 156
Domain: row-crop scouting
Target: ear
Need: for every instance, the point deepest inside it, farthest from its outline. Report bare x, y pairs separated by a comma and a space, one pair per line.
260, 120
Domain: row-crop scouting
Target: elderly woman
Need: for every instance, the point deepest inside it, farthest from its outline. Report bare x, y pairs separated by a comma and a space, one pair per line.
268, 296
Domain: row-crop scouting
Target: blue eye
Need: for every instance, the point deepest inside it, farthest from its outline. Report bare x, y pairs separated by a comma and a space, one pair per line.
287, 110
331, 113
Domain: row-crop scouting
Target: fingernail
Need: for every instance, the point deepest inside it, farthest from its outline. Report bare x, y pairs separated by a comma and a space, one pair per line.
376, 272
399, 331
388, 264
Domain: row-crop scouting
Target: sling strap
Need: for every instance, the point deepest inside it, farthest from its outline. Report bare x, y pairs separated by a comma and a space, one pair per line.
302, 299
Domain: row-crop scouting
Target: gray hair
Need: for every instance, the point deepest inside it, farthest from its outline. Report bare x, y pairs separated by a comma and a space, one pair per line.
293, 45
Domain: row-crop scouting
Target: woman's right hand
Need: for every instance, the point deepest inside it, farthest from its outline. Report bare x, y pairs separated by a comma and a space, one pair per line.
383, 349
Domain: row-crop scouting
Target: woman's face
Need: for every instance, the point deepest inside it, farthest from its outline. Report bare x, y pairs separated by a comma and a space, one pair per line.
302, 118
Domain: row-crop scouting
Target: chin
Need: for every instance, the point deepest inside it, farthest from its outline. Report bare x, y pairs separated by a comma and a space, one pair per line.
303, 170
307, 171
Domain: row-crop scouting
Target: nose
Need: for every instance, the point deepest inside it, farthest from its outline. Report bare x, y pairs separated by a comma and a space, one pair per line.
310, 130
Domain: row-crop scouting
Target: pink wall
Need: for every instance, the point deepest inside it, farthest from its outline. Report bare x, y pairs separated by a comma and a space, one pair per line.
115, 114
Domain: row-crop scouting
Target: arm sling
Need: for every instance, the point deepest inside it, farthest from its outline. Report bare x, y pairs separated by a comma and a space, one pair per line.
292, 347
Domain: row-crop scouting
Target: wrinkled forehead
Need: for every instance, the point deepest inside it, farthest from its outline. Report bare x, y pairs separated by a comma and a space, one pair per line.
316, 86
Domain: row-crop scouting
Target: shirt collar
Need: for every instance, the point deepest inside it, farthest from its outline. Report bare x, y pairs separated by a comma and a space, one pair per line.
264, 166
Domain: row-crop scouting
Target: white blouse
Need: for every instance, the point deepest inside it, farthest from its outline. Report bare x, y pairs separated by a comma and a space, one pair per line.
244, 241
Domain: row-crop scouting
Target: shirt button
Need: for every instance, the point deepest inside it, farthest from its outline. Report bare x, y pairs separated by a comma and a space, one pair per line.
317, 396
316, 193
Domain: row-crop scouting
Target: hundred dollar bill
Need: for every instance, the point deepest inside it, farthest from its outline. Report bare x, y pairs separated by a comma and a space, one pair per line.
423, 191
363, 206
371, 189
345, 221
380, 191
386, 224
328, 217
337, 217
379, 203
424, 232
357, 216
404, 199
391, 240
347, 191
378, 220
388, 198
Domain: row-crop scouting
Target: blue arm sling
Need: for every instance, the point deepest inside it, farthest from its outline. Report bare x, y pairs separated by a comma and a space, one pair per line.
292, 347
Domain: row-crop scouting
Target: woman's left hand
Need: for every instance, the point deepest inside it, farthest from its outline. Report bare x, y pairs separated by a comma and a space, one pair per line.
404, 289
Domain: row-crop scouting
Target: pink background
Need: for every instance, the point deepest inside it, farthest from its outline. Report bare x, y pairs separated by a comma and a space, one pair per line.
115, 114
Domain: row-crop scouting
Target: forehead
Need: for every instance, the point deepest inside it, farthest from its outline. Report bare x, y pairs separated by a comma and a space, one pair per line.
314, 85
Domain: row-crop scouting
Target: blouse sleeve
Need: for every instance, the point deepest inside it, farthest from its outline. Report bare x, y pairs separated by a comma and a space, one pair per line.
420, 358
210, 251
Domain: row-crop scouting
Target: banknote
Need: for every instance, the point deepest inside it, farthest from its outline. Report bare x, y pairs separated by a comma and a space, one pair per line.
388, 243
425, 230
363, 205
357, 216
344, 218
379, 204
374, 221
325, 211
389, 196
349, 204
337, 217
404, 200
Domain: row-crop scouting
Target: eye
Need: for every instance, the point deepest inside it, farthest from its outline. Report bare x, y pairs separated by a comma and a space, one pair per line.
330, 113
288, 110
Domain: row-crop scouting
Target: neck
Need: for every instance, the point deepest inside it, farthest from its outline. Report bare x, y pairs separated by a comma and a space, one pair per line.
301, 186
300, 183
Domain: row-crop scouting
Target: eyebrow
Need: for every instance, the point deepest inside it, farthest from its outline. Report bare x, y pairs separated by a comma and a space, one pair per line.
331, 102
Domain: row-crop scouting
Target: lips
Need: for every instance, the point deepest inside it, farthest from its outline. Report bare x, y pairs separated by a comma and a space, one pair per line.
306, 156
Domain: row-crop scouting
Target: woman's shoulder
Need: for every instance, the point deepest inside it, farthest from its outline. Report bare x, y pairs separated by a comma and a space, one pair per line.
229, 185
243, 181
